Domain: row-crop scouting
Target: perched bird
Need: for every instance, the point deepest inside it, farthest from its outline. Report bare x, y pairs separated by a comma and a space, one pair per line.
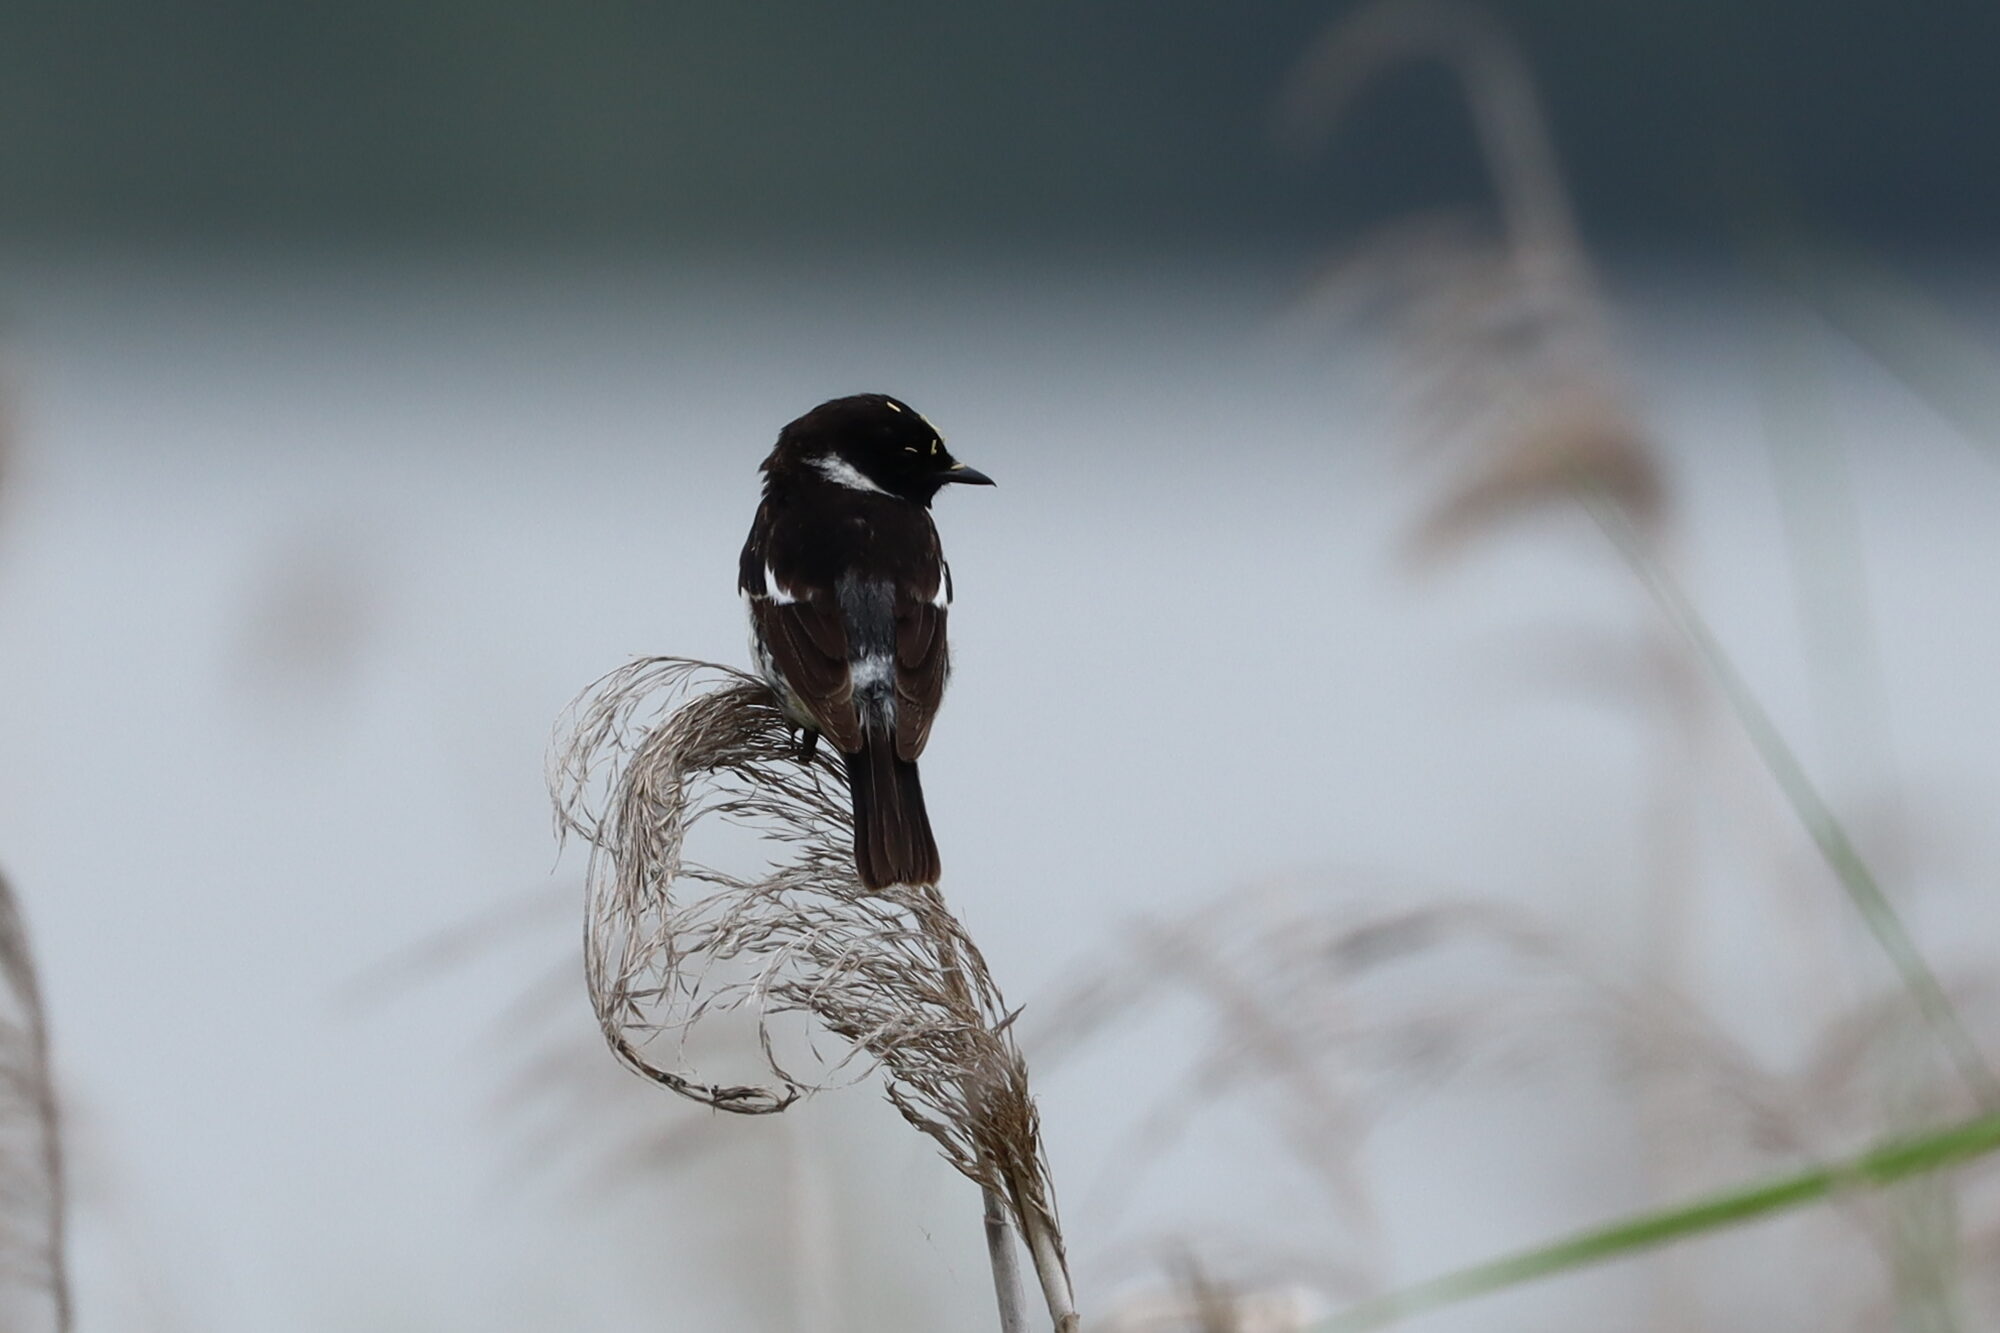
848, 588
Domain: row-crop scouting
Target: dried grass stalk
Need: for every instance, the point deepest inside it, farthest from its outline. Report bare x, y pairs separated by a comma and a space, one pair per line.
643, 757
1005, 1258
33, 1271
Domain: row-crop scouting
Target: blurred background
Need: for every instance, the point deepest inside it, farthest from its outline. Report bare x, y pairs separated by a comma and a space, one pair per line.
1388, 881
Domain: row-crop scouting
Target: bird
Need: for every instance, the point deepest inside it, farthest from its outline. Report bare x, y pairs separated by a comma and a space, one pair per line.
848, 591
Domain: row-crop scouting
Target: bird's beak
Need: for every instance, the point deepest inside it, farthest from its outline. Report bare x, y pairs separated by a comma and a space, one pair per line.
970, 476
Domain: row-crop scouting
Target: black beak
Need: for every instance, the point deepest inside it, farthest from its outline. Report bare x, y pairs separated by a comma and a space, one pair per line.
970, 476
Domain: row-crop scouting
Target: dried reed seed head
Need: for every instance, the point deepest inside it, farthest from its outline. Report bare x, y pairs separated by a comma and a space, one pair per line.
1504, 376
1570, 444
1386, 271
1342, 1014
1503, 340
643, 758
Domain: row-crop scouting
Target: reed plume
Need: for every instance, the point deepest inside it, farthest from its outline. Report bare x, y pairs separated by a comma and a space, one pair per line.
1506, 337
33, 1269
656, 748
1344, 1016
1509, 360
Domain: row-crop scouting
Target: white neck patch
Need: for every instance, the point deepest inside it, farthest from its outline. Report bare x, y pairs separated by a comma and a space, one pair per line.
843, 473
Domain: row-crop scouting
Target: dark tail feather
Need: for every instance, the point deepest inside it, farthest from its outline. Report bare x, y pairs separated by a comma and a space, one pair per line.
892, 834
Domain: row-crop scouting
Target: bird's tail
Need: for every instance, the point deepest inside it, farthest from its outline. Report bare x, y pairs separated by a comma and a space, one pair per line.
892, 834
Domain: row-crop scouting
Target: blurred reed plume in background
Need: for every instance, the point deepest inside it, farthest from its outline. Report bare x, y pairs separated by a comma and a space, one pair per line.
1506, 342
643, 758
1324, 1014
34, 1204
34, 1279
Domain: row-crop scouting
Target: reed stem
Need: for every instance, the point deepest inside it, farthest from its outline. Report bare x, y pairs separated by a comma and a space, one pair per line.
1828, 834
1006, 1266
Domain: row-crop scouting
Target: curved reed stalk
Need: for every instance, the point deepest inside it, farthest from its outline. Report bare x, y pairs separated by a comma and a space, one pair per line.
659, 746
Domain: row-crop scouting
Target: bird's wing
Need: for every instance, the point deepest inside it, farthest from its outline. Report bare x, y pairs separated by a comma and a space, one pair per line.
802, 631
808, 646
922, 663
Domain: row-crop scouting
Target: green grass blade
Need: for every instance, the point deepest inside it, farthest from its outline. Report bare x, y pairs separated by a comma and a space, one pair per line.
1883, 1165
1820, 823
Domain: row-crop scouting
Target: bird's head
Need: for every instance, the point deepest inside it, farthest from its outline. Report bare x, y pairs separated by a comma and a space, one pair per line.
871, 442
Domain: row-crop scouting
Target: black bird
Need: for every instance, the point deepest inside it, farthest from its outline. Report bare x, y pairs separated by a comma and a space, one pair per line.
848, 589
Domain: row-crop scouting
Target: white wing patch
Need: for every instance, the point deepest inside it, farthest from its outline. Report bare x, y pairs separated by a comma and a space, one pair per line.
843, 473
775, 590
942, 597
